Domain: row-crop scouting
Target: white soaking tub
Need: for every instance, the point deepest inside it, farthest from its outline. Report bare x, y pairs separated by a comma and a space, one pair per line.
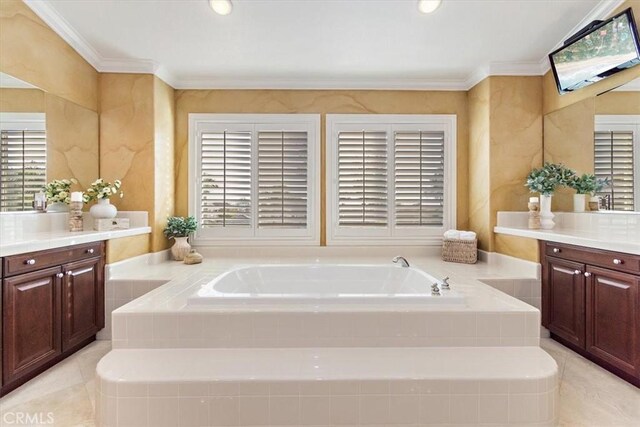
323, 284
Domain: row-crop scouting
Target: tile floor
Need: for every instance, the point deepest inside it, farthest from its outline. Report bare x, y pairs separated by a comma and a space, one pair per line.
589, 395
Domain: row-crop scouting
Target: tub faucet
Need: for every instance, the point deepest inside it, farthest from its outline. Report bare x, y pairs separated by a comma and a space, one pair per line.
399, 259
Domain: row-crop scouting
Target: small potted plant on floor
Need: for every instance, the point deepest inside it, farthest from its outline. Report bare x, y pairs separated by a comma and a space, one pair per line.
545, 181
179, 228
58, 194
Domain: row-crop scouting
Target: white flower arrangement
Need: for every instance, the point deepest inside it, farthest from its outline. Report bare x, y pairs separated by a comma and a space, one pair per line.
59, 190
101, 189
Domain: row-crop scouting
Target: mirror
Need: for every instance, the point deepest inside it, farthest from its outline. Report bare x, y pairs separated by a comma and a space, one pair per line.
600, 135
43, 137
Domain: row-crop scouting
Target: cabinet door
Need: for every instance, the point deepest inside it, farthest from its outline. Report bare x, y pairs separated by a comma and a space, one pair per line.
31, 322
82, 301
564, 299
613, 318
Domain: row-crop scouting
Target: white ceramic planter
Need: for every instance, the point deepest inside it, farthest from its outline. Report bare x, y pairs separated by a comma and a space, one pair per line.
546, 217
58, 207
180, 248
579, 202
103, 210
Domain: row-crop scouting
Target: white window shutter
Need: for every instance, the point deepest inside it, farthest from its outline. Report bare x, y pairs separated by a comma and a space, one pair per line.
613, 158
23, 168
362, 178
282, 179
419, 178
225, 179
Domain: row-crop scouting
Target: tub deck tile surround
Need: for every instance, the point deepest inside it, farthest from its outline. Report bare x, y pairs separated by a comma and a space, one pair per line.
327, 387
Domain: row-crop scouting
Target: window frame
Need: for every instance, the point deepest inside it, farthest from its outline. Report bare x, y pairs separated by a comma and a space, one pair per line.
391, 234
253, 235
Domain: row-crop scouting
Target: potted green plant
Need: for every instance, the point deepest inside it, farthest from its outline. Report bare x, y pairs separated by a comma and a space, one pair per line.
584, 184
58, 194
594, 200
546, 180
179, 228
101, 191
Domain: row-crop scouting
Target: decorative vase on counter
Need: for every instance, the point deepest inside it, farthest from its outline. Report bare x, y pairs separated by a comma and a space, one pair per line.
57, 207
579, 202
546, 217
103, 210
180, 248
594, 203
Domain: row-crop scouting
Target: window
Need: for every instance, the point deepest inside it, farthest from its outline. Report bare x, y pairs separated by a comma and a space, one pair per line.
254, 178
23, 159
390, 178
616, 154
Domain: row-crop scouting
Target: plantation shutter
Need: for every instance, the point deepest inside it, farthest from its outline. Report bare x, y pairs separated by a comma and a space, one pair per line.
613, 159
225, 179
282, 179
419, 178
362, 178
23, 167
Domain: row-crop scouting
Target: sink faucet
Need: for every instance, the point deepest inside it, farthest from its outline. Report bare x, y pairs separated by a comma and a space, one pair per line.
399, 259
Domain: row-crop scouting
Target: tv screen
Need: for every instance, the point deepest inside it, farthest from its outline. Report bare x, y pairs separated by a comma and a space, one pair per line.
606, 49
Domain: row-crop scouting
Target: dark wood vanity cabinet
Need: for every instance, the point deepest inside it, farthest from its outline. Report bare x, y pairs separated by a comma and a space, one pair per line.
591, 303
52, 305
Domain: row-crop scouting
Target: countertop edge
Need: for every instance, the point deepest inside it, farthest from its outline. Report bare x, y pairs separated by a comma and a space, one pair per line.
35, 244
550, 235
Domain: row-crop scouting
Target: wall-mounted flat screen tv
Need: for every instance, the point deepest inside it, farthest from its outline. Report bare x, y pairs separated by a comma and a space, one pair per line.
605, 48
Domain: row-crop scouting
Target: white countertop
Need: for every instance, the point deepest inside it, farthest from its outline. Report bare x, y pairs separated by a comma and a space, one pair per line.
620, 233
42, 240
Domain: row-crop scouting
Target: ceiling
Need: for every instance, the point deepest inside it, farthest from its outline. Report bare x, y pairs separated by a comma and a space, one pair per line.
319, 43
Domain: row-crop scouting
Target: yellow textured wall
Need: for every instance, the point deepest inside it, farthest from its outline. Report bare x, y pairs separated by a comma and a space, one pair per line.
72, 142
505, 143
21, 100
126, 247
164, 118
137, 119
618, 103
34, 53
479, 163
322, 102
553, 101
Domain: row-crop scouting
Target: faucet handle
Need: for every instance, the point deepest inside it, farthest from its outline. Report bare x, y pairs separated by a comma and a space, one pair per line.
434, 289
445, 283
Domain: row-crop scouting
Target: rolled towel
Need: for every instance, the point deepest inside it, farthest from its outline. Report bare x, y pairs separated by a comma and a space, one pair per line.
467, 235
452, 234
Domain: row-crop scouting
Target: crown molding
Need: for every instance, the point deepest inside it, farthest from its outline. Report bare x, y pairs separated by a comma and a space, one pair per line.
53, 19
320, 84
58, 24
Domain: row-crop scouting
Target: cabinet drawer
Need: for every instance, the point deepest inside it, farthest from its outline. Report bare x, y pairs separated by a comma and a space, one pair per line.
33, 261
613, 260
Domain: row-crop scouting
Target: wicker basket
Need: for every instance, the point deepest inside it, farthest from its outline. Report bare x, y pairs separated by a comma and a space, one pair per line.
463, 251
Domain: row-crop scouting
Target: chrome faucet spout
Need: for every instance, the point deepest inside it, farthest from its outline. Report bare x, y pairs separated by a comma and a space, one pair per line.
401, 260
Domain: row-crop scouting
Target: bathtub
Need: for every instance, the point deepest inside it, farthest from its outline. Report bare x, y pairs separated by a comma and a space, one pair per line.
322, 284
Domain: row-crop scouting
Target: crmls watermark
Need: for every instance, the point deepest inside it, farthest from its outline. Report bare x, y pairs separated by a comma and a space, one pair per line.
27, 418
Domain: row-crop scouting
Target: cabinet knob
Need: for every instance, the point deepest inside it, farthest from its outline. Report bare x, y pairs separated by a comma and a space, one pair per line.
69, 273
59, 275
30, 261
587, 274
556, 250
577, 272
617, 261
90, 251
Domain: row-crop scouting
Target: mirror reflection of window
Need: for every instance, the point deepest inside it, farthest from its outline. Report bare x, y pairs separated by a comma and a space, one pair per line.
617, 157
23, 159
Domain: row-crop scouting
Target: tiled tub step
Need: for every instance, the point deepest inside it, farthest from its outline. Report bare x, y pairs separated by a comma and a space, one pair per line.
327, 387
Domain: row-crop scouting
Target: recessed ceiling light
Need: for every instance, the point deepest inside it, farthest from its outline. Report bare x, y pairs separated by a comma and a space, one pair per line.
221, 7
428, 6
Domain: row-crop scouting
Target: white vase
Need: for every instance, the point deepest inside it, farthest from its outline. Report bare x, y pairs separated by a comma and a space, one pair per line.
180, 248
103, 210
58, 207
579, 202
546, 217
